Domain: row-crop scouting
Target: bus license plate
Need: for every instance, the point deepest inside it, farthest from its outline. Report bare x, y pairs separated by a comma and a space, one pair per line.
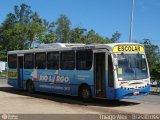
136, 93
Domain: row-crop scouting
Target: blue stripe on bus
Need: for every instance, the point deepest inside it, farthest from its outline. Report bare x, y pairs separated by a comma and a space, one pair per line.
68, 89
76, 78
72, 89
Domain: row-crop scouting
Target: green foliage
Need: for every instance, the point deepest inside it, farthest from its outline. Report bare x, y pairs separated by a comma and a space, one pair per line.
3, 56
153, 59
115, 37
49, 38
48, 35
22, 27
63, 29
77, 35
80, 35
93, 37
3, 74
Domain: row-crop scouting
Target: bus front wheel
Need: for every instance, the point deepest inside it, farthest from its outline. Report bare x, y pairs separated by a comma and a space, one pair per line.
85, 93
30, 87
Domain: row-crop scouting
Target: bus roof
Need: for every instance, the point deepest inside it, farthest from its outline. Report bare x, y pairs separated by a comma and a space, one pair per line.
70, 46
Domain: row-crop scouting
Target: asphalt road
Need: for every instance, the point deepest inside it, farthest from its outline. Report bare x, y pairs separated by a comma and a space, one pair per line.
146, 105
15, 101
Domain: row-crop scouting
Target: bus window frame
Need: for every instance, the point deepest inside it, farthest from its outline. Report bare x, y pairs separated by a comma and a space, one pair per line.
15, 67
57, 62
85, 60
36, 60
66, 60
33, 60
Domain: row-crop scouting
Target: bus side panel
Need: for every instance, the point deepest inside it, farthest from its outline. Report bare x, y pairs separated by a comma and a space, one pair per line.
66, 78
74, 89
13, 77
84, 77
59, 81
48, 87
45, 81
111, 93
75, 79
13, 83
28, 74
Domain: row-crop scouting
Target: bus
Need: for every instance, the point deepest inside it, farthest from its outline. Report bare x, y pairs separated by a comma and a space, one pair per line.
109, 71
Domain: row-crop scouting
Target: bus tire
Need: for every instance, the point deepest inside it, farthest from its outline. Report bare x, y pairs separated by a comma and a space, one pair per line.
30, 87
85, 93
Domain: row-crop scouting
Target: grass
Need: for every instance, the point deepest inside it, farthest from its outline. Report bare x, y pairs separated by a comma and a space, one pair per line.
3, 74
154, 93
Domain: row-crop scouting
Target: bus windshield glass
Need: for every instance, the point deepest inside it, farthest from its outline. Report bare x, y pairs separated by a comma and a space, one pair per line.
132, 67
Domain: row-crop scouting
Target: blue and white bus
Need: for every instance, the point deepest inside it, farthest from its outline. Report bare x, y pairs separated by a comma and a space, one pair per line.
109, 71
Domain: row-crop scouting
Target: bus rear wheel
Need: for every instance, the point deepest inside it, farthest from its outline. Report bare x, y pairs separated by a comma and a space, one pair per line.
85, 93
30, 87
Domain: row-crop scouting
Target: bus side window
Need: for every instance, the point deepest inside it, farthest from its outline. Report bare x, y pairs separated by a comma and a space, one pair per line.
29, 61
110, 72
84, 60
53, 60
40, 60
67, 60
12, 61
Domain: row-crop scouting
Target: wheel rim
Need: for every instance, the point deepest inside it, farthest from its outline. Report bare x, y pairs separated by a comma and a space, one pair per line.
85, 93
30, 87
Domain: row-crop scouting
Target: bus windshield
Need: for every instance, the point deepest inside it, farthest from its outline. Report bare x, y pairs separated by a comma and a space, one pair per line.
132, 67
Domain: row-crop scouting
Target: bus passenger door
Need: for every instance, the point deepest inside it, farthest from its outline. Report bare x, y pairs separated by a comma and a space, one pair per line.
20, 71
99, 74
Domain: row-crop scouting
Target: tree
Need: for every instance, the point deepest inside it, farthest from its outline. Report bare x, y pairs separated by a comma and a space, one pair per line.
153, 60
77, 35
22, 14
151, 53
23, 27
93, 37
48, 34
116, 36
63, 29
20, 27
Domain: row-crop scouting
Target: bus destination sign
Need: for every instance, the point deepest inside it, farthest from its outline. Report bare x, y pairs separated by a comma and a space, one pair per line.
128, 48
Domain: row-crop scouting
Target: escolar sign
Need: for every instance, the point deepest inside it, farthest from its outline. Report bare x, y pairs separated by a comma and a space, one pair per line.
128, 48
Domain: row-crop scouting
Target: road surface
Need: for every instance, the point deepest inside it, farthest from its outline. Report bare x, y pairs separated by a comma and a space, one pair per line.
13, 101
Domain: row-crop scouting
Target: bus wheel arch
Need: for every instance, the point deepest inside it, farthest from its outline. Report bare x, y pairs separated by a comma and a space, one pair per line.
84, 92
30, 86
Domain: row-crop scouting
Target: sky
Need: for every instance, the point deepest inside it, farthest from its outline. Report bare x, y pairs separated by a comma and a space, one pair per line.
104, 16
